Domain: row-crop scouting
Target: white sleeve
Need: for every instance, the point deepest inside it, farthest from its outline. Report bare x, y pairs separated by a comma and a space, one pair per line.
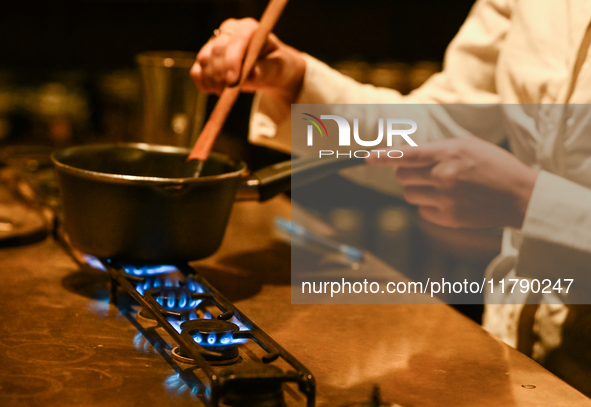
556, 234
468, 77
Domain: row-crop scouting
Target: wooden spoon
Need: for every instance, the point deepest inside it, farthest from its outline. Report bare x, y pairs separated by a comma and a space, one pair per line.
218, 116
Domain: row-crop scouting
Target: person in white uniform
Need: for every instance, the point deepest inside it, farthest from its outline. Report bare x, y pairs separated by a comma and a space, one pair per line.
526, 52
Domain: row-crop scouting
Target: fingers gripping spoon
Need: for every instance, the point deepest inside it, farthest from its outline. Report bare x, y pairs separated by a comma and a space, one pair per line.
216, 120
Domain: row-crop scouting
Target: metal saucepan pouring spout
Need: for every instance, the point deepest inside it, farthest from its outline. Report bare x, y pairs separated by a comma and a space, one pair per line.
218, 116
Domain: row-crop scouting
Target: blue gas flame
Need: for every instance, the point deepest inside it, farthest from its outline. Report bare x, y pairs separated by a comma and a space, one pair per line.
140, 343
138, 271
215, 340
241, 326
155, 282
150, 270
172, 302
193, 286
175, 324
176, 386
94, 262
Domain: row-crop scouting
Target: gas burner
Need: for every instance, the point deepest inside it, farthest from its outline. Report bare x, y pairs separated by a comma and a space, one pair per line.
215, 336
169, 280
145, 284
174, 298
252, 384
211, 332
182, 304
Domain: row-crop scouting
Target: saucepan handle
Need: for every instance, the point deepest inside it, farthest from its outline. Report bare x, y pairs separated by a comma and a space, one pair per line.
281, 177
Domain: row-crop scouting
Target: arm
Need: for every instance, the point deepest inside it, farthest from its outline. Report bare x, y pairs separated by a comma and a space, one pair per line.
468, 77
283, 76
472, 183
464, 182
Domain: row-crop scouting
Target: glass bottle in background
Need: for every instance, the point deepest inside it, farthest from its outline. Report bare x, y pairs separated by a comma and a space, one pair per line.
173, 107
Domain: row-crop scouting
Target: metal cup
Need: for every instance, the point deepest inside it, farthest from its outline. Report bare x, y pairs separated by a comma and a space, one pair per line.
173, 107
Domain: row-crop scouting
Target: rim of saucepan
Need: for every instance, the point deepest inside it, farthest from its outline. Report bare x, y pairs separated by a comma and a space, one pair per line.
136, 179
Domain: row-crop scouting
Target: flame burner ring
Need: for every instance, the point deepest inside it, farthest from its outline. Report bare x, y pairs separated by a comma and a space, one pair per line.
178, 304
174, 298
215, 336
163, 281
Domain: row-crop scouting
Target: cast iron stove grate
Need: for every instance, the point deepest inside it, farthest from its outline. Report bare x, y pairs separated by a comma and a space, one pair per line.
182, 308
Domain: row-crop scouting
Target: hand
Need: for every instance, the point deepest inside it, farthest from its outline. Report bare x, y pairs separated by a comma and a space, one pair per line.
464, 182
279, 69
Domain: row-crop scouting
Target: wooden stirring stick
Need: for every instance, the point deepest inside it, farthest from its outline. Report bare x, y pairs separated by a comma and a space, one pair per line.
218, 116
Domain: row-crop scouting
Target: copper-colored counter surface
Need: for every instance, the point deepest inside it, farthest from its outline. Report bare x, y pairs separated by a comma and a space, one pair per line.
419, 355
63, 344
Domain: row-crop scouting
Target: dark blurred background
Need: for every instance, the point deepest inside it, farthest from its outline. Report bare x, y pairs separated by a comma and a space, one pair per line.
103, 34
88, 47
67, 75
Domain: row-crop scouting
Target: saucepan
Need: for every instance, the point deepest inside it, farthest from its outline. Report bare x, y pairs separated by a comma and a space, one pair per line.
141, 202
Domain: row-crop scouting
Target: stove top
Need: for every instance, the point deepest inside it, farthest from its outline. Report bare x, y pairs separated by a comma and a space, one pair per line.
201, 329
64, 343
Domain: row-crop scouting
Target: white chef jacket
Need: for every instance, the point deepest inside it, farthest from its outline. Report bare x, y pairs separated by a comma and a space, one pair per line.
507, 52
